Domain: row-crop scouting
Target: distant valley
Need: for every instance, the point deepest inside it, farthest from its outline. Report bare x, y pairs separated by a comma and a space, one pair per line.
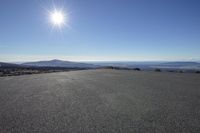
9, 69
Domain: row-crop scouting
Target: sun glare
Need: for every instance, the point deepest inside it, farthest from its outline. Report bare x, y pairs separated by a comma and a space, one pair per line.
58, 18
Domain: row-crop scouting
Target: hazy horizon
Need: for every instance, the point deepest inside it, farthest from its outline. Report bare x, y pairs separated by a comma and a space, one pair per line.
103, 61
22, 59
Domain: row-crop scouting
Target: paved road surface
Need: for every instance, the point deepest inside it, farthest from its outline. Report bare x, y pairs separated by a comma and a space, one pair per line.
100, 101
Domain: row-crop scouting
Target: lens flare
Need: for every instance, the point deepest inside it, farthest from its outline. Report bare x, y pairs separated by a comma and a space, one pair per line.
58, 18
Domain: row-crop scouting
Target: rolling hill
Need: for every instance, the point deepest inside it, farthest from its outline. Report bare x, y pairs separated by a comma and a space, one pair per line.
59, 63
3, 64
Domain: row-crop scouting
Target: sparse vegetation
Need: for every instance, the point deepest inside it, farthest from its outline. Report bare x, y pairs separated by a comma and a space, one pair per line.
157, 70
137, 69
197, 72
180, 71
108, 67
9, 71
120, 68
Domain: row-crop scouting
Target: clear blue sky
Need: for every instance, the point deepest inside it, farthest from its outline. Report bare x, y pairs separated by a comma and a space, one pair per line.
101, 30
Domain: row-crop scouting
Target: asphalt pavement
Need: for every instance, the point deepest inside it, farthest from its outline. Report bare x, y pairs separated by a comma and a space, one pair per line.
100, 101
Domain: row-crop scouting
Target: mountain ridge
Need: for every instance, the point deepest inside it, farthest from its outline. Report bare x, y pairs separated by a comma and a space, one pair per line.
59, 63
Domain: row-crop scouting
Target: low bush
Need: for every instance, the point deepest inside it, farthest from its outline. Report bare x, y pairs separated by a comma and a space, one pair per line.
197, 71
137, 69
157, 70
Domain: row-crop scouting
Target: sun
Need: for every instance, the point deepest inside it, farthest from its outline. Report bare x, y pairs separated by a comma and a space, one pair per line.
58, 18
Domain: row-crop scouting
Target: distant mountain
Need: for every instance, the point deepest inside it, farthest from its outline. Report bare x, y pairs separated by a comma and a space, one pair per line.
59, 63
3, 64
178, 64
151, 65
141, 65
